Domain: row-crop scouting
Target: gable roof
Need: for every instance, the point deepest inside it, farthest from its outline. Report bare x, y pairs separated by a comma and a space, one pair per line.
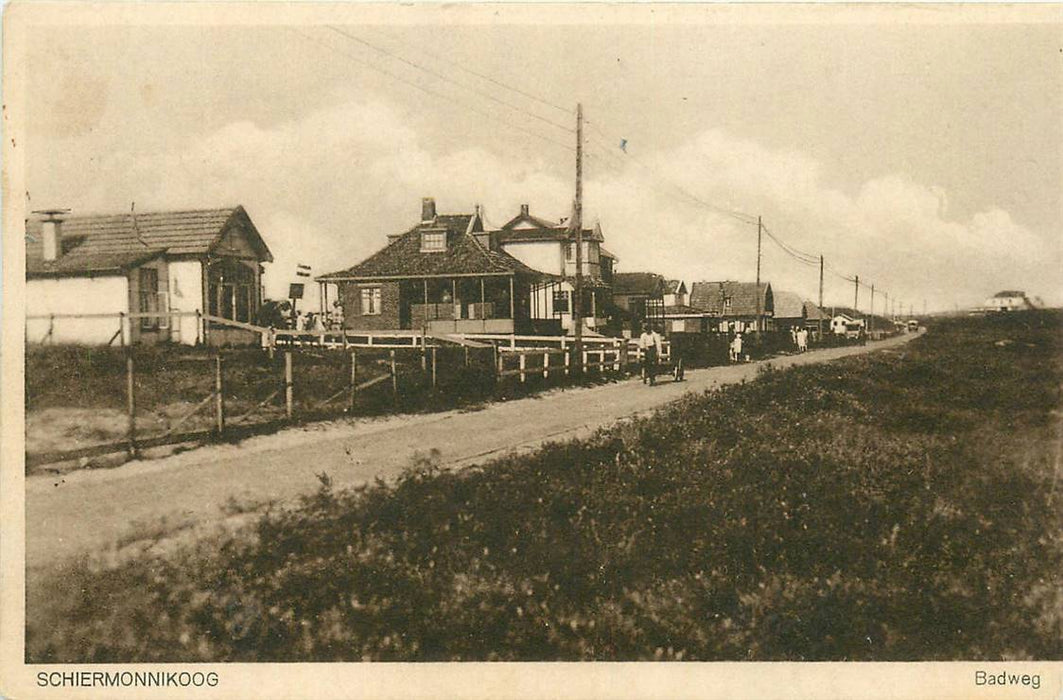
638, 283
711, 298
788, 305
814, 313
464, 255
1009, 293
108, 243
674, 286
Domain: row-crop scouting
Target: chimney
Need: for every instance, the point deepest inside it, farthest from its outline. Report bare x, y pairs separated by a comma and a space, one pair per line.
523, 209
52, 233
428, 209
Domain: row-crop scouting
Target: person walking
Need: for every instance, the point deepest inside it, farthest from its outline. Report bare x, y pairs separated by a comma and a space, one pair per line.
650, 345
802, 340
736, 348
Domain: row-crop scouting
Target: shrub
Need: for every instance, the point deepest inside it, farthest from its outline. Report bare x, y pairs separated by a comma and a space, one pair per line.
886, 507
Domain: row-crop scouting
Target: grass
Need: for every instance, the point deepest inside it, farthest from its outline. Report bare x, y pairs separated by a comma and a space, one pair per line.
76, 395
903, 505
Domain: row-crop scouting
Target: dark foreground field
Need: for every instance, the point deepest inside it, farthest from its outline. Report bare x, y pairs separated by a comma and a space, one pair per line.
899, 506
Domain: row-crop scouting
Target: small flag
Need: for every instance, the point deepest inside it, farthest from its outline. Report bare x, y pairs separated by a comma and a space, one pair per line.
302, 270
623, 145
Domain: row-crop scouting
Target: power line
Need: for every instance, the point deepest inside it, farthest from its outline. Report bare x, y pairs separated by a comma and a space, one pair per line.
429, 91
564, 110
441, 76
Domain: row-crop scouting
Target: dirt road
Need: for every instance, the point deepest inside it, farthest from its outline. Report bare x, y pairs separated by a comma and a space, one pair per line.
91, 510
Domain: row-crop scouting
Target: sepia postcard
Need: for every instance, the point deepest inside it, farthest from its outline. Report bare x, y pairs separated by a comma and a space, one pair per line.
532, 350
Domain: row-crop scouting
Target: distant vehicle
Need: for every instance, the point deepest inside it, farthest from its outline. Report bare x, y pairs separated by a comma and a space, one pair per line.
913, 325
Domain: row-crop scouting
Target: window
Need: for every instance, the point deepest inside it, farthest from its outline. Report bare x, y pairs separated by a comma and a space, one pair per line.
231, 292
370, 301
570, 252
433, 241
148, 291
561, 305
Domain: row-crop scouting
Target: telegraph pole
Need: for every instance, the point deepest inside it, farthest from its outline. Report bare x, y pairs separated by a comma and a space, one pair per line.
821, 298
577, 221
760, 228
856, 294
871, 317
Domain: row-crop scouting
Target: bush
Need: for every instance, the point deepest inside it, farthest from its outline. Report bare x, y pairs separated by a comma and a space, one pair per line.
896, 506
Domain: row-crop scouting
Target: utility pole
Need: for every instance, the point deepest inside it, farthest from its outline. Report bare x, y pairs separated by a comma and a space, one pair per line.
821, 298
760, 228
577, 221
871, 316
856, 294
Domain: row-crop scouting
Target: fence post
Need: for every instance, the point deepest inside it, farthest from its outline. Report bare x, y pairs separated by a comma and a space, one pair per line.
354, 374
433, 367
564, 350
546, 365
219, 397
131, 402
394, 377
121, 328
199, 325
288, 398
466, 348
424, 353
523, 362
500, 362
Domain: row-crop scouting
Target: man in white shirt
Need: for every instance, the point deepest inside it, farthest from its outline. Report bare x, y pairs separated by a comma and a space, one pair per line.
650, 345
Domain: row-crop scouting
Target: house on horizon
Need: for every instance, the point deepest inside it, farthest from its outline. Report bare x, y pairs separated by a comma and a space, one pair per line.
1008, 300
208, 261
734, 306
446, 274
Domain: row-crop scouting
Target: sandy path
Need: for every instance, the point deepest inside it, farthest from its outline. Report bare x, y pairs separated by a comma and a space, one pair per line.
89, 511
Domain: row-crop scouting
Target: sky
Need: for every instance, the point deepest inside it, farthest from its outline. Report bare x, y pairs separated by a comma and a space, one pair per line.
925, 157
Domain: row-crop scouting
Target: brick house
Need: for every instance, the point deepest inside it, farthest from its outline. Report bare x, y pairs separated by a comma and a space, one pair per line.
446, 274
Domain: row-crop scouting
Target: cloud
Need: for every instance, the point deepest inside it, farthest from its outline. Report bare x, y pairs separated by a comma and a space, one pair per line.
325, 189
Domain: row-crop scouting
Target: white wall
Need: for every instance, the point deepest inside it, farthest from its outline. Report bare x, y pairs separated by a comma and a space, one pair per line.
76, 295
186, 294
545, 257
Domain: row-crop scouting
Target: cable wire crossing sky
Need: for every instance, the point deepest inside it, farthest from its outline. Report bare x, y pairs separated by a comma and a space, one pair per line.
922, 156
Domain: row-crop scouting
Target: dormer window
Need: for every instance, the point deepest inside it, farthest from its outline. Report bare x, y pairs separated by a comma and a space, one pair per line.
433, 241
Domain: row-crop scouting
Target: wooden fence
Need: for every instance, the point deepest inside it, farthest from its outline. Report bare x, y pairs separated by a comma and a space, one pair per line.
225, 425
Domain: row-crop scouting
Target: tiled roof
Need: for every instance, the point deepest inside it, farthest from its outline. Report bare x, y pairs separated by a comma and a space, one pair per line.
95, 243
539, 223
79, 264
814, 313
638, 283
464, 255
711, 297
788, 305
602, 252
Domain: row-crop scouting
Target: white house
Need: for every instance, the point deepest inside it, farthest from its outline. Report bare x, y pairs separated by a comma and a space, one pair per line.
1008, 300
550, 248
84, 272
843, 324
